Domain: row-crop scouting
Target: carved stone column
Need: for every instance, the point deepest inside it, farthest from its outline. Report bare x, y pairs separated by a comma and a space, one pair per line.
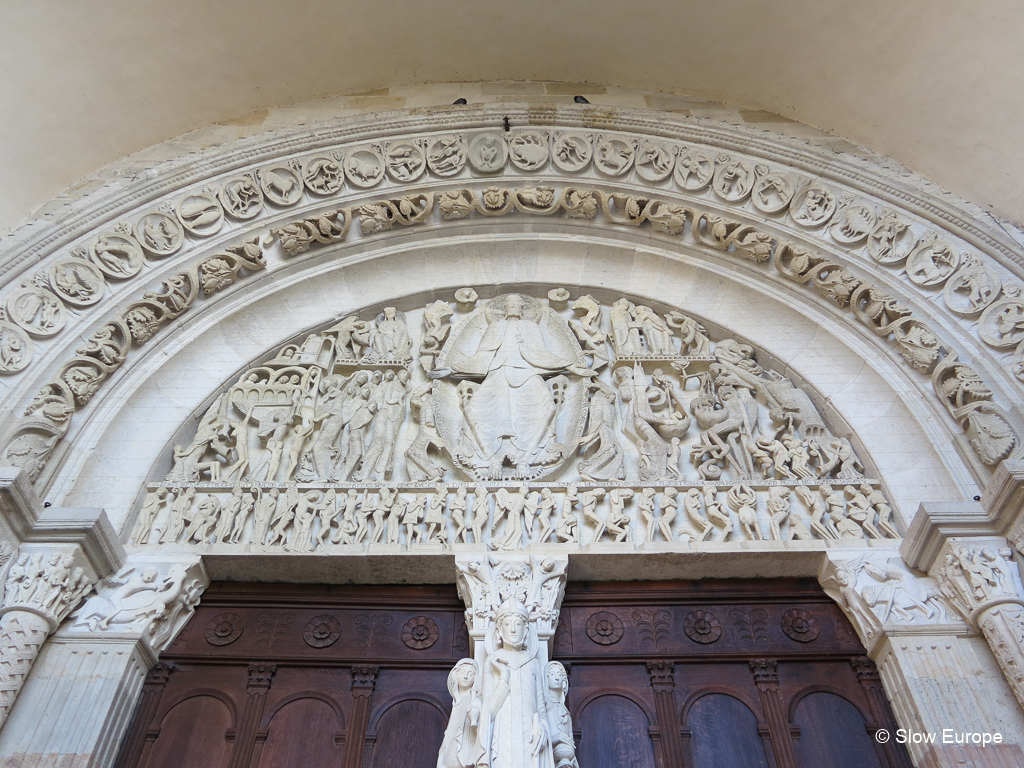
871, 682
152, 690
512, 603
766, 678
364, 679
663, 681
44, 584
92, 671
261, 675
986, 589
930, 660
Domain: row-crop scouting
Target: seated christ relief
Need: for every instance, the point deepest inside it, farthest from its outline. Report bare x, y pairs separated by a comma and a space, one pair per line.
518, 410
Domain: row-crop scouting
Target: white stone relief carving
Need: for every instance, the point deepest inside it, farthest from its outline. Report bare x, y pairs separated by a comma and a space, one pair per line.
772, 192
153, 600
42, 588
364, 167
614, 155
971, 289
117, 254
694, 169
572, 151
15, 347
509, 701
77, 282
159, 233
241, 197
405, 160
488, 152
813, 206
528, 149
891, 241
200, 213
447, 155
932, 262
328, 414
323, 175
984, 586
733, 179
512, 416
853, 223
281, 184
36, 310
655, 160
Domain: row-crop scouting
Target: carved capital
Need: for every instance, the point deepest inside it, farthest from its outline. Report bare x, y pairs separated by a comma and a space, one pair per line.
865, 669
487, 581
150, 598
765, 671
159, 674
976, 575
364, 679
261, 674
663, 674
47, 581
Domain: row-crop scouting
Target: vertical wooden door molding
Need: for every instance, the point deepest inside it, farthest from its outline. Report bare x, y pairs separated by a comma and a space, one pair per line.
881, 713
766, 678
140, 735
364, 679
261, 675
663, 681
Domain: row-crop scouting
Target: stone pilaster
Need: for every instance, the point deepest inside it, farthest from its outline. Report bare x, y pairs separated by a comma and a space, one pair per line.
91, 672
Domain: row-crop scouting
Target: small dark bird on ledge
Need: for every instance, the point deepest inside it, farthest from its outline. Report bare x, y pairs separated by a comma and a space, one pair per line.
459, 101
580, 99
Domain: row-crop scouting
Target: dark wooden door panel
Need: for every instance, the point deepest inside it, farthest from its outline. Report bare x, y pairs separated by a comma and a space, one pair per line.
832, 733
723, 734
615, 733
710, 674
302, 733
408, 735
193, 733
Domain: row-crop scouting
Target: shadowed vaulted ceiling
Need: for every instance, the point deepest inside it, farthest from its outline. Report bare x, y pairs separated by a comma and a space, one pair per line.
938, 86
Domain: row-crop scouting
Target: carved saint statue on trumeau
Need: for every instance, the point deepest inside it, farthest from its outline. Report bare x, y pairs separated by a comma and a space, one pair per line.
526, 413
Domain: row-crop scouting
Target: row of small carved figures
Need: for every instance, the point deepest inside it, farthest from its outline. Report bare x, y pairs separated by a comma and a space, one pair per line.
51, 584
305, 521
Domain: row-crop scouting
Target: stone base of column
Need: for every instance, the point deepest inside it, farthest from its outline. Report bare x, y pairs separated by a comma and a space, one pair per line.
948, 682
77, 704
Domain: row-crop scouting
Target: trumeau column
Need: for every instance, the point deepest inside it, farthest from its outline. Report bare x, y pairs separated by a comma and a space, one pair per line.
509, 697
936, 671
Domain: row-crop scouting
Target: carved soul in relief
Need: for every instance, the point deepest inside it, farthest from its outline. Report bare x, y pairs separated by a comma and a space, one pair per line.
508, 422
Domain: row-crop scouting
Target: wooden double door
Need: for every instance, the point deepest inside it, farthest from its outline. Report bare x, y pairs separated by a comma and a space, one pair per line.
710, 674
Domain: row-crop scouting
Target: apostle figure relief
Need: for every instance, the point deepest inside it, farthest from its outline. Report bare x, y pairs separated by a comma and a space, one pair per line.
510, 422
